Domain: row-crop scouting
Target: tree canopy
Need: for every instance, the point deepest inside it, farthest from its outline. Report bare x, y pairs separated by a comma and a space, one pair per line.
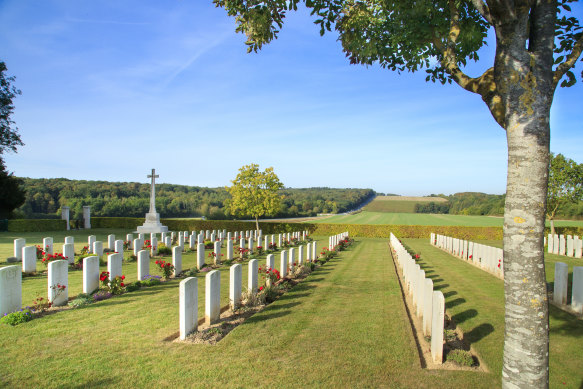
565, 184
9, 138
255, 192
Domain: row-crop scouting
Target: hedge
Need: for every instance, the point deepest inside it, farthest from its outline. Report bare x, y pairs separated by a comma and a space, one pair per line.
36, 225
403, 231
130, 223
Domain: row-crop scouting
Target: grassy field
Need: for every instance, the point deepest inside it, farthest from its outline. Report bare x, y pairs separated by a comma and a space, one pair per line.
475, 299
423, 219
396, 204
344, 326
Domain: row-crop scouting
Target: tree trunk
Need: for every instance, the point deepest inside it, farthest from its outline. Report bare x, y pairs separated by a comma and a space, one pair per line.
257, 224
552, 226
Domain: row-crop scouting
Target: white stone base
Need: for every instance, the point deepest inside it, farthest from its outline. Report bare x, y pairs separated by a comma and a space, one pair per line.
152, 224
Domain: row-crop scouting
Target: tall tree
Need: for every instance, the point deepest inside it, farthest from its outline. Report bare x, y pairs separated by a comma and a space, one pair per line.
9, 138
12, 194
565, 184
254, 193
518, 90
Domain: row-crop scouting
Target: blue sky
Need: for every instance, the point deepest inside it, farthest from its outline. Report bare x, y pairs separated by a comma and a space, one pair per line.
113, 89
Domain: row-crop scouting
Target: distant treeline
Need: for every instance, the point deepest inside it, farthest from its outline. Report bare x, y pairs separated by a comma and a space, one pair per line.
44, 198
472, 203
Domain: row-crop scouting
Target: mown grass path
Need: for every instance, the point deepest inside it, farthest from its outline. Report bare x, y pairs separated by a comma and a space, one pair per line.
344, 326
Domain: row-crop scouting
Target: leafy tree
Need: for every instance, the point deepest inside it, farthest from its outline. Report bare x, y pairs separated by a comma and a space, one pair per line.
11, 193
440, 36
9, 138
565, 184
255, 193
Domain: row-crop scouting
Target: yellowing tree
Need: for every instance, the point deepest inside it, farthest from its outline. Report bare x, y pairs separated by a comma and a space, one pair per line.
254, 193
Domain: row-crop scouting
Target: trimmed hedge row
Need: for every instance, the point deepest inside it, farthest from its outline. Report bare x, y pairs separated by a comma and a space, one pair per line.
403, 231
131, 223
36, 225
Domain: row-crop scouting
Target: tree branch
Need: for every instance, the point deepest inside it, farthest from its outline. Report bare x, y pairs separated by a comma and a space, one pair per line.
483, 10
569, 62
483, 85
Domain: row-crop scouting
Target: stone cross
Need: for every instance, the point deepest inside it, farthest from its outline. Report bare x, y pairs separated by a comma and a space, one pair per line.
153, 176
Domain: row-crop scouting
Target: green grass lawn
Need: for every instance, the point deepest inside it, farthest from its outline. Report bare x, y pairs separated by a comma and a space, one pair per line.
475, 299
396, 204
422, 219
344, 326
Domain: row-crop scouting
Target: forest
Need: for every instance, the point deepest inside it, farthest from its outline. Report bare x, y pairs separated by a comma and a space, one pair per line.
44, 198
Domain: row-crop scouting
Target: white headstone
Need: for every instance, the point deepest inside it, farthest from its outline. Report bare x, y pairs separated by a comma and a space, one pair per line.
48, 245
143, 264
58, 275
570, 248
114, 262
69, 252
118, 246
90, 274
252, 277
578, 247
217, 251
283, 264
177, 260
154, 244
270, 261
18, 245
314, 250
577, 296
10, 289
130, 238
188, 306
561, 283
91, 239
29, 259
420, 292
86, 217
69, 239
437, 327
137, 246
200, 256
427, 306
550, 242
561, 244
111, 241
212, 297
98, 248
300, 255
229, 249
235, 285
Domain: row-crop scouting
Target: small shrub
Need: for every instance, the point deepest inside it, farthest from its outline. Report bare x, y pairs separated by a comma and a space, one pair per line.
271, 293
133, 286
251, 299
151, 280
132, 258
81, 301
449, 335
192, 272
101, 295
461, 357
163, 250
15, 318
166, 268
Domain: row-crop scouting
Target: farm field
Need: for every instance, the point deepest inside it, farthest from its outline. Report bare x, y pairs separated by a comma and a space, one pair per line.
423, 219
398, 203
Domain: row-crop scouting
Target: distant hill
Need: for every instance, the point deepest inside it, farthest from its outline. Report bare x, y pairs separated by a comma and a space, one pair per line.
464, 203
44, 198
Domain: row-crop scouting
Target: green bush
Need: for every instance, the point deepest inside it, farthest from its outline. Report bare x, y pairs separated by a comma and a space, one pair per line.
81, 301
461, 357
36, 225
17, 317
163, 250
151, 282
133, 286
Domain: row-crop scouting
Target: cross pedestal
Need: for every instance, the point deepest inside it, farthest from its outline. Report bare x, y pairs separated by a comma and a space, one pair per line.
152, 223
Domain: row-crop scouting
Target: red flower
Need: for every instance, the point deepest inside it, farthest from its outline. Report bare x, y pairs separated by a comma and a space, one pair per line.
123, 277
122, 285
260, 288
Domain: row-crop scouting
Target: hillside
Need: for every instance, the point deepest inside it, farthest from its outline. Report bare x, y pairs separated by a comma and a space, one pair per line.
44, 198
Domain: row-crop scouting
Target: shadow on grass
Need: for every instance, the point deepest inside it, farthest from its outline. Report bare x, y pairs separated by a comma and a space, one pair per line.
279, 307
449, 294
465, 315
453, 303
97, 383
478, 333
438, 287
565, 323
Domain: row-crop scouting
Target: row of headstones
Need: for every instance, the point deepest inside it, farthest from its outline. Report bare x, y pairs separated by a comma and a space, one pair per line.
429, 305
487, 258
571, 247
27, 254
188, 289
562, 283
335, 239
11, 276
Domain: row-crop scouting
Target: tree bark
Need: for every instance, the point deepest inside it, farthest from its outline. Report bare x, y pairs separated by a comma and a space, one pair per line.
525, 78
552, 226
257, 224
